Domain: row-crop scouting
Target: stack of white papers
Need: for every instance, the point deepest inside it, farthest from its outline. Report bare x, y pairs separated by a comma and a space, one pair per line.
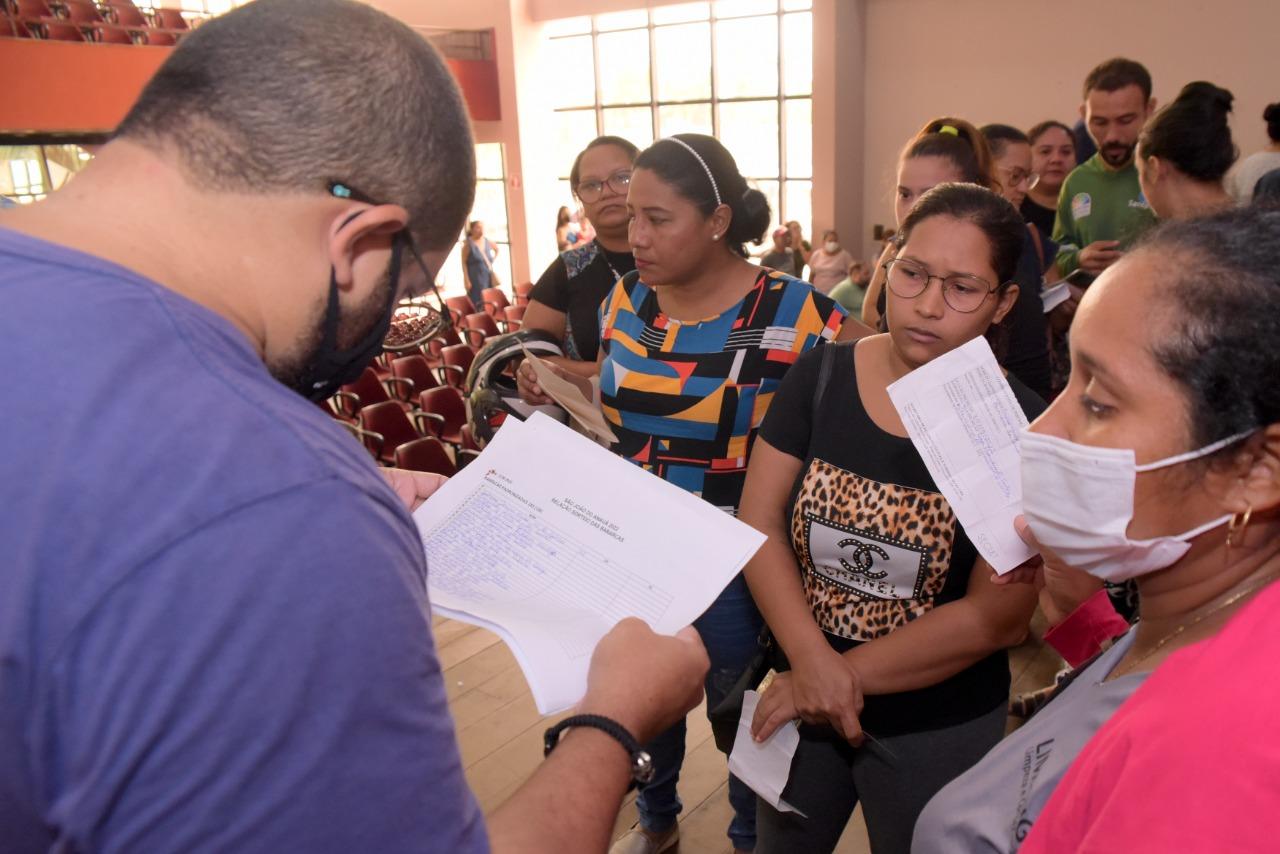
964, 420
549, 540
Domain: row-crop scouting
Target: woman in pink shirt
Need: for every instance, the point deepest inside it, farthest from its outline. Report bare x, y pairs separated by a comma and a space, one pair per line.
1160, 462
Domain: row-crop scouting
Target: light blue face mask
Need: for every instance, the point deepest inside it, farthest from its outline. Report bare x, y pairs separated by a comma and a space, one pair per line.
1078, 502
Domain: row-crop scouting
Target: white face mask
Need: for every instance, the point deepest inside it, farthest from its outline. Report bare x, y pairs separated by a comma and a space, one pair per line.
832, 247
1078, 502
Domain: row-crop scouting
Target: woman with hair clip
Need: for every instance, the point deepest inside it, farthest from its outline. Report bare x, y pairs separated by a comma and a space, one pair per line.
946, 149
694, 345
868, 582
1185, 151
950, 149
566, 299
1160, 464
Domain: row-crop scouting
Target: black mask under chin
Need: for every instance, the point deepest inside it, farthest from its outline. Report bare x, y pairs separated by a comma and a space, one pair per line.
330, 368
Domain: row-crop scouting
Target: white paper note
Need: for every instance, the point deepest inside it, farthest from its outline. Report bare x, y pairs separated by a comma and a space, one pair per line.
1055, 295
549, 540
965, 422
765, 766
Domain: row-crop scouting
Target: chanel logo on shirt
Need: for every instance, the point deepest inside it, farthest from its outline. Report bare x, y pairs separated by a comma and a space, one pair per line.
864, 562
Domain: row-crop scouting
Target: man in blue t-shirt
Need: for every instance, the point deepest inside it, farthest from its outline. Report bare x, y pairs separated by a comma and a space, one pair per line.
214, 626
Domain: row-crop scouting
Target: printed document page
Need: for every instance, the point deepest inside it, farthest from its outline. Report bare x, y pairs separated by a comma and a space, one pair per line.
549, 540
964, 420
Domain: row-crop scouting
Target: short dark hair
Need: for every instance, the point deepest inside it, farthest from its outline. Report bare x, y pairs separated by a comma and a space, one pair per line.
1220, 276
957, 141
1044, 127
1000, 136
677, 166
1116, 74
575, 171
1192, 132
990, 212
289, 95
1271, 115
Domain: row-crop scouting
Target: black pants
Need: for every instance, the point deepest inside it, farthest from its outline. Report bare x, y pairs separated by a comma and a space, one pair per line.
894, 779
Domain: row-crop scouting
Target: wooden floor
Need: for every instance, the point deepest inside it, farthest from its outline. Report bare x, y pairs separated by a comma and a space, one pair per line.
500, 735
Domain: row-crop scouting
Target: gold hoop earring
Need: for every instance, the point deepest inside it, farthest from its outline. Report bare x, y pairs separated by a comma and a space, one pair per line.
1237, 526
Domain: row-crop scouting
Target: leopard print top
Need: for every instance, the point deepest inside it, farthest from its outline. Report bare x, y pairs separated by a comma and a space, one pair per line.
873, 555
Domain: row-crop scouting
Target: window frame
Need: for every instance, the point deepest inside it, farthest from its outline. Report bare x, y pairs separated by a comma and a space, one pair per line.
779, 96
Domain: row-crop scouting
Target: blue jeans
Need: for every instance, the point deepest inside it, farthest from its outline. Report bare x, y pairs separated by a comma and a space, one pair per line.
729, 629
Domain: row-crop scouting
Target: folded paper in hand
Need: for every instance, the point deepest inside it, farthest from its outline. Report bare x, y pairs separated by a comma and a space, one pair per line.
965, 422
571, 398
549, 540
764, 766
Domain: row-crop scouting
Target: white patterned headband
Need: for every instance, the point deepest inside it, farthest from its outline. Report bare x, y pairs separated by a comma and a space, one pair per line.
703, 163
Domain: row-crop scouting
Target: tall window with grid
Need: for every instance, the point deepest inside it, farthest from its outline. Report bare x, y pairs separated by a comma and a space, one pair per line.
740, 70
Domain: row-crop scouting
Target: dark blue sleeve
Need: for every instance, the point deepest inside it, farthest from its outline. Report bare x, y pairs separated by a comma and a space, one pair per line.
269, 683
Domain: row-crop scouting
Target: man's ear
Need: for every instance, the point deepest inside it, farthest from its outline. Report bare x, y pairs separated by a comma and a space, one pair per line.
358, 229
1082, 115
1151, 105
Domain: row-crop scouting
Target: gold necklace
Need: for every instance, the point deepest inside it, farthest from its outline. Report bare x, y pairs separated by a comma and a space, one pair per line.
1234, 598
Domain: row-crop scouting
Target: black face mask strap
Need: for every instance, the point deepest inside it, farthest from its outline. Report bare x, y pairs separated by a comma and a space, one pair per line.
431, 279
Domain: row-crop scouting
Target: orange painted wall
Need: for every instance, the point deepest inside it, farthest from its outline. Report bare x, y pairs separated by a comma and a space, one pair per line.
67, 87
57, 87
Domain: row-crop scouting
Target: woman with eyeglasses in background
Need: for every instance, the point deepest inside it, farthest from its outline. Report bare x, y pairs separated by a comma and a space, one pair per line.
565, 302
1027, 344
1053, 156
868, 582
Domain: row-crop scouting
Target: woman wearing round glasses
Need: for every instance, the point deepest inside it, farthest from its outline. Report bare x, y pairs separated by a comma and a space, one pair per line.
566, 299
1026, 354
867, 581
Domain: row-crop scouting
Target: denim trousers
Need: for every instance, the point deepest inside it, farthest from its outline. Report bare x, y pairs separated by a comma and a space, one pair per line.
729, 630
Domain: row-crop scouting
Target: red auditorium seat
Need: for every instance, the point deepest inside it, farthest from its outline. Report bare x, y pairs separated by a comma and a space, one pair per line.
444, 413
480, 326
81, 11
514, 316
11, 29
170, 19
365, 391
457, 359
522, 292
389, 421
427, 454
160, 38
125, 14
493, 301
459, 307
417, 372
62, 32
448, 337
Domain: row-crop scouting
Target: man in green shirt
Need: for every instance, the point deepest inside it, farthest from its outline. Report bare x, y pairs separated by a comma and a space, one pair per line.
1101, 208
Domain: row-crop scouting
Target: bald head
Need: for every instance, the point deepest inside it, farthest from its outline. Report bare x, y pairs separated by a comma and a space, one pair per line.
286, 96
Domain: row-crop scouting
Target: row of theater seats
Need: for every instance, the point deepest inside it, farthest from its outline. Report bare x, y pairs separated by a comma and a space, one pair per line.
108, 22
408, 409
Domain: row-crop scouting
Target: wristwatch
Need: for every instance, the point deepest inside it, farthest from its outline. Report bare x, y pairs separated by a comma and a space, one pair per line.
641, 762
